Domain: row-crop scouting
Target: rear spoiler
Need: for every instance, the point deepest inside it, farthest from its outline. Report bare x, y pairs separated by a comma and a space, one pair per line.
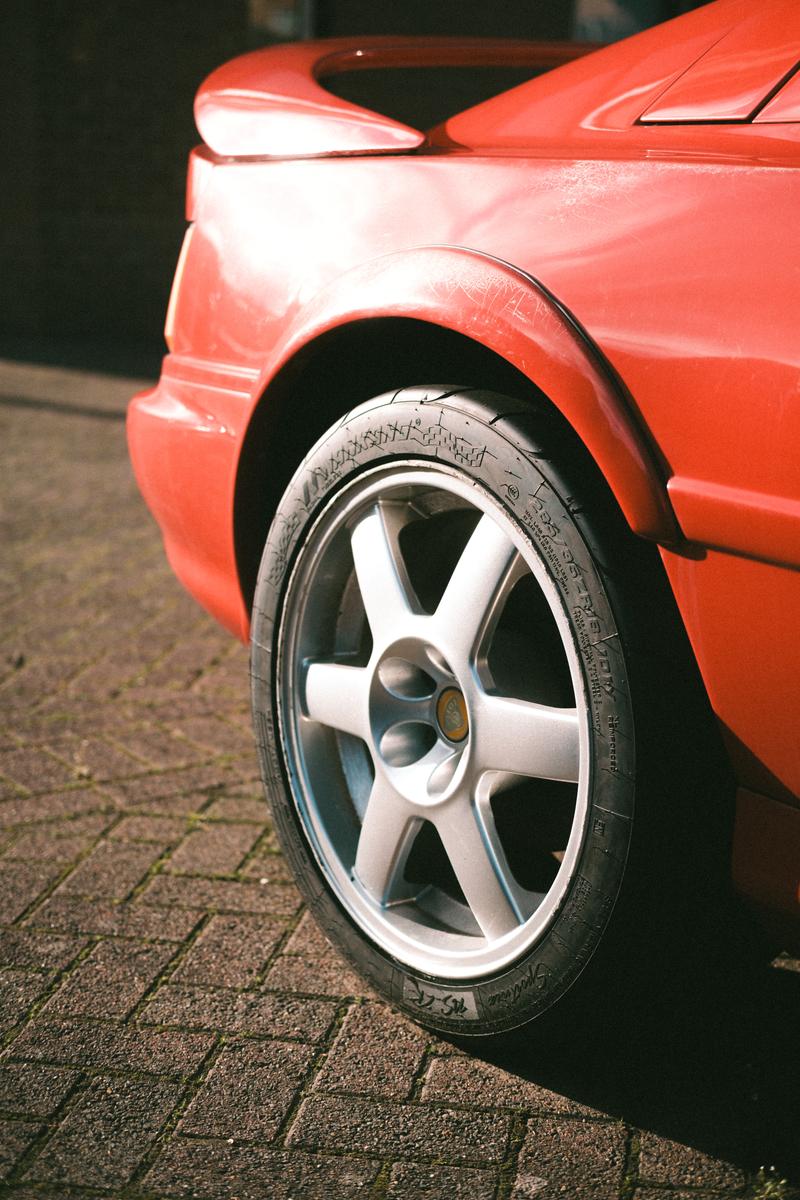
271, 104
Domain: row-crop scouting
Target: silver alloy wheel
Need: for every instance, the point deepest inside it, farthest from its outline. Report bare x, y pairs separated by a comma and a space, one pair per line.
422, 737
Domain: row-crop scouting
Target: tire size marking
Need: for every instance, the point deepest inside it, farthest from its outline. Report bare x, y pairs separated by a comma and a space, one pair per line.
431, 999
613, 726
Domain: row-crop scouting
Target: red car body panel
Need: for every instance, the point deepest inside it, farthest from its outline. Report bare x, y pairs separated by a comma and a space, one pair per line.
731, 80
642, 273
785, 106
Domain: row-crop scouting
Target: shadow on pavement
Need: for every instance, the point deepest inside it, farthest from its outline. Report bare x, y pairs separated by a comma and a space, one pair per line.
69, 410
719, 1071
134, 359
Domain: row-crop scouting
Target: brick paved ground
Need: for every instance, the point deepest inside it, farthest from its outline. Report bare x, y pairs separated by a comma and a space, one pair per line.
172, 1024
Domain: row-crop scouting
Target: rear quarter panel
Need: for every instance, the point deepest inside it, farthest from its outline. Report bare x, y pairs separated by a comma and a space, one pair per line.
684, 271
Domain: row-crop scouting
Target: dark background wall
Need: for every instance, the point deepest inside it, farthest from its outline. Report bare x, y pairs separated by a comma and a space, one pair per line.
96, 122
96, 102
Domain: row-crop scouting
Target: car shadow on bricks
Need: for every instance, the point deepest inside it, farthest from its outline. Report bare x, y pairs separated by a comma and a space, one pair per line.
711, 1082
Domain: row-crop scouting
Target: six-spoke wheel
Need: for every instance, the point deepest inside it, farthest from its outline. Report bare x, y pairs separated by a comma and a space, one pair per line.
408, 691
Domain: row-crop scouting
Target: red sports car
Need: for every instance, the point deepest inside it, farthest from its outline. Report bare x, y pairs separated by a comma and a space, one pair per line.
488, 437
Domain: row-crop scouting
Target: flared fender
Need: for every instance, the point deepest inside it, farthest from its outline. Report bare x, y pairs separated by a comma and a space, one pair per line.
512, 314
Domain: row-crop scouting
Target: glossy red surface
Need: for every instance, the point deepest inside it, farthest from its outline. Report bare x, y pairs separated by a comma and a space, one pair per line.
785, 106
597, 106
734, 77
643, 276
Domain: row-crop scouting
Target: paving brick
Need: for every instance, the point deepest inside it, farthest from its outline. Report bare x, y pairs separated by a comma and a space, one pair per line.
267, 866
213, 735
110, 1047
180, 806
248, 1091
164, 709
196, 783
648, 1193
310, 964
241, 1013
73, 802
102, 680
449, 1079
400, 1131
33, 770
14, 1141
112, 870
31, 726
426, 1182
58, 841
9, 790
45, 1192
34, 1091
122, 1116
27, 687
111, 919
238, 808
161, 830
182, 665
230, 951
157, 747
18, 991
42, 951
79, 717
110, 981
376, 1053
213, 849
21, 884
216, 1171
668, 1162
93, 758
574, 1158
222, 895
226, 678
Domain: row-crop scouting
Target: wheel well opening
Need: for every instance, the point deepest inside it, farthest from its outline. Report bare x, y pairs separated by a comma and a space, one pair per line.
325, 380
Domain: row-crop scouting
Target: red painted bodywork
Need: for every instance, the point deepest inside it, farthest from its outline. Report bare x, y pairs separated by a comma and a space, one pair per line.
731, 80
622, 230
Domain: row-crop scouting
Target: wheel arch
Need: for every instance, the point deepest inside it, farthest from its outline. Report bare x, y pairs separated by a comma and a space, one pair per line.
437, 315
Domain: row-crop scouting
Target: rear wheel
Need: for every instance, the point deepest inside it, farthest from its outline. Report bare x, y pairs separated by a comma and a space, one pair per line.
442, 693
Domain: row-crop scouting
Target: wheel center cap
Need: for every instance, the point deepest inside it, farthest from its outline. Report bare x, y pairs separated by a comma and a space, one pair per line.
451, 713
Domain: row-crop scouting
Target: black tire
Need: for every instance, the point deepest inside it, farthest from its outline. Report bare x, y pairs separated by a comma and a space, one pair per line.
619, 901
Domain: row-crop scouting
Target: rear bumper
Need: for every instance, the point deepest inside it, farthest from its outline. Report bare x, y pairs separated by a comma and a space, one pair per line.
184, 447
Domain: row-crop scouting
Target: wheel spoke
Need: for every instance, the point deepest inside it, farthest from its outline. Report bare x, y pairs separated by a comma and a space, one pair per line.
521, 738
478, 582
382, 579
387, 834
337, 696
473, 847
